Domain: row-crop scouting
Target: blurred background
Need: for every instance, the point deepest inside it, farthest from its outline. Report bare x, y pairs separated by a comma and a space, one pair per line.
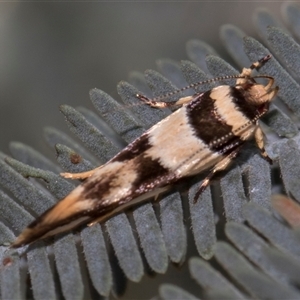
54, 53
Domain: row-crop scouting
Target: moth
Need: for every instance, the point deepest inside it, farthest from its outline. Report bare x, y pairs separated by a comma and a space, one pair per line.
206, 132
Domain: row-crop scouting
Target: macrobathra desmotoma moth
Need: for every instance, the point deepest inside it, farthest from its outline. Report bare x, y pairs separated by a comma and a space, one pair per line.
205, 133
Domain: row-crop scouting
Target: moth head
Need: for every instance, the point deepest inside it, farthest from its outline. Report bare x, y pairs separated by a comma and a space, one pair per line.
257, 94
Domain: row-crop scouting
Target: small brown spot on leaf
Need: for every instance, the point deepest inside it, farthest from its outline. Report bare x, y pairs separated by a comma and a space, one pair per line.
75, 158
7, 261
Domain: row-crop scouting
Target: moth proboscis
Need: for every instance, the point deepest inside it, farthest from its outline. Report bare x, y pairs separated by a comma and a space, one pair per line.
205, 133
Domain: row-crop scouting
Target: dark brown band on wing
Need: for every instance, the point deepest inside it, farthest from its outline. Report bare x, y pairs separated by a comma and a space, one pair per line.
208, 125
134, 149
150, 174
98, 187
240, 97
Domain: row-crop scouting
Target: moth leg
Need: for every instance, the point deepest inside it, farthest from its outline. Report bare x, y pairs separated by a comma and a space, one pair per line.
260, 142
220, 166
162, 104
82, 175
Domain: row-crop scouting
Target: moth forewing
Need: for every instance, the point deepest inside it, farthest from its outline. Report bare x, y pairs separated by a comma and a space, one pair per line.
205, 133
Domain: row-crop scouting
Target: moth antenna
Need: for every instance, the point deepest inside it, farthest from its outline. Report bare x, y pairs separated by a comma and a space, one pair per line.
255, 65
143, 98
192, 85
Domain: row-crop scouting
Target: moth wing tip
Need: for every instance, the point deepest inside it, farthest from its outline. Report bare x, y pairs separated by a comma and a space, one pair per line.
21, 240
